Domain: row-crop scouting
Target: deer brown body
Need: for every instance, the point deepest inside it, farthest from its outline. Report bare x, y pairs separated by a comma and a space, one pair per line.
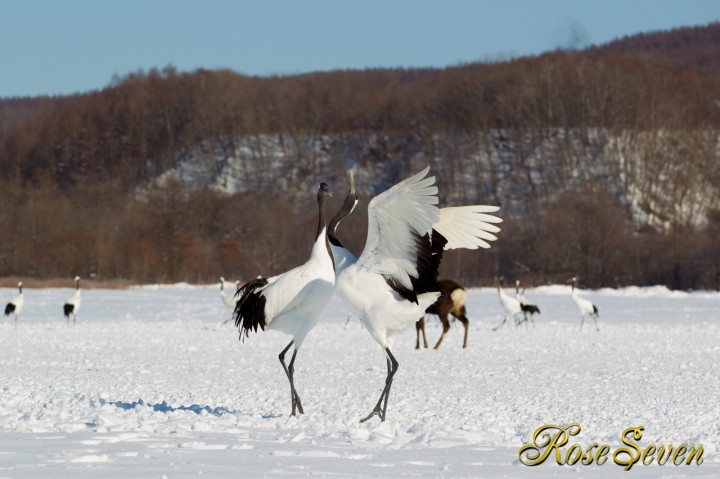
451, 302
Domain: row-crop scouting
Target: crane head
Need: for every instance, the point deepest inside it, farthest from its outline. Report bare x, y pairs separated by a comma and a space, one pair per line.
325, 189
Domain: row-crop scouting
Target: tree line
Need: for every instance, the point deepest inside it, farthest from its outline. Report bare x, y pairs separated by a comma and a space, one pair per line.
605, 162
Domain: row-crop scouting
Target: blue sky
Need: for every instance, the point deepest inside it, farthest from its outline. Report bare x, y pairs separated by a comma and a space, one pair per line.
66, 46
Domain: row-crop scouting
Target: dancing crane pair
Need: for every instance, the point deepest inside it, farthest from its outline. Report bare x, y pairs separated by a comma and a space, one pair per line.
389, 286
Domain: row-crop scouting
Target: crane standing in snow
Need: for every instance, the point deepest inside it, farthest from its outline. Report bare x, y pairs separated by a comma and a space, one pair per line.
72, 305
291, 302
585, 306
394, 280
15, 305
510, 305
229, 300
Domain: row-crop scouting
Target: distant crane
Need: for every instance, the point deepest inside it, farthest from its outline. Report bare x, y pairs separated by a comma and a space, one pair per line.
451, 302
527, 307
229, 300
585, 306
15, 305
291, 302
510, 305
72, 305
394, 280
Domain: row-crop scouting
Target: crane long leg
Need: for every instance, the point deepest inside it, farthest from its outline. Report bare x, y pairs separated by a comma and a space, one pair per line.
291, 369
376, 411
501, 324
290, 372
582, 321
392, 366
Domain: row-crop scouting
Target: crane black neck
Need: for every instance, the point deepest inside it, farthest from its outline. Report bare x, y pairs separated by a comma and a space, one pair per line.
344, 211
322, 221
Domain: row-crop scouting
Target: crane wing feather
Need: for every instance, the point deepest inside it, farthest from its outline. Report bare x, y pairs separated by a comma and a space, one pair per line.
468, 227
393, 216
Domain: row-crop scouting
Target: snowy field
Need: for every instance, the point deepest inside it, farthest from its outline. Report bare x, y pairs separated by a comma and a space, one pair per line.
150, 384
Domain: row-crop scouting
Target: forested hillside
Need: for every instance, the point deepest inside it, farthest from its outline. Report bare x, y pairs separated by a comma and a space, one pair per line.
605, 162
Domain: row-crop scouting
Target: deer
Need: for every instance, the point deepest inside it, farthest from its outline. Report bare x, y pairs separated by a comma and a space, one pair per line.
451, 302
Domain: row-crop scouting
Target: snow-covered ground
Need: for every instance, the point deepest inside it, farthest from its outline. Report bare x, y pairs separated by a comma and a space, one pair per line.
150, 384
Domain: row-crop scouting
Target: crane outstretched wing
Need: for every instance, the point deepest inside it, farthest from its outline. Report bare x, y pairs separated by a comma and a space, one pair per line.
468, 227
396, 218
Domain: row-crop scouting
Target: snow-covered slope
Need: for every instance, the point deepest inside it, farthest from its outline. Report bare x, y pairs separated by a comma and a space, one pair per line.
646, 170
149, 384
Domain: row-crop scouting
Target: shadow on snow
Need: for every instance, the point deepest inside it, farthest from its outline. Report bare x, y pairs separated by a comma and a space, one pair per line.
165, 407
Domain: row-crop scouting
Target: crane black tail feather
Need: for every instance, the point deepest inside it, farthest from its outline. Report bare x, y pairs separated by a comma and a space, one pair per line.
529, 308
249, 313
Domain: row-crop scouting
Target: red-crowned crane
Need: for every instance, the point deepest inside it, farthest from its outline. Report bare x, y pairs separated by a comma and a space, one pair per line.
510, 305
16, 304
291, 302
72, 305
585, 306
394, 280
230, 300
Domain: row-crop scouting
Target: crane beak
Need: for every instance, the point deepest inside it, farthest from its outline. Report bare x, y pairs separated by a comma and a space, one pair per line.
325, 189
